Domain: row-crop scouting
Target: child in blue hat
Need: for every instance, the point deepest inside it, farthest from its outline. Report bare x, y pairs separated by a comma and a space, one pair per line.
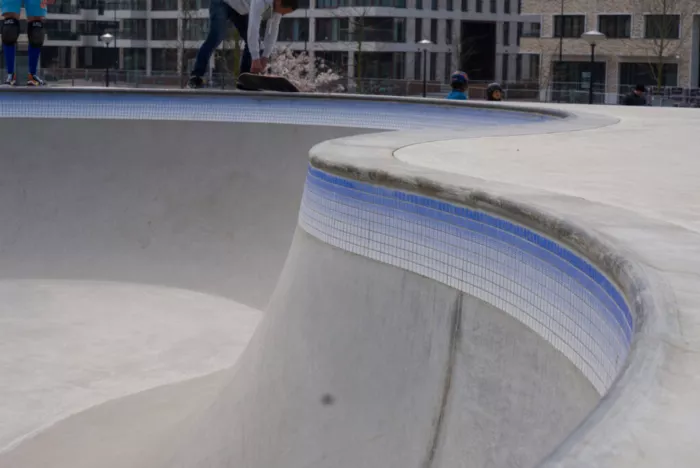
459, 82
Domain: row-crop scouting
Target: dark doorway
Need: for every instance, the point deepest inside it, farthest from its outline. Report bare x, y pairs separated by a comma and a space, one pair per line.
477, 52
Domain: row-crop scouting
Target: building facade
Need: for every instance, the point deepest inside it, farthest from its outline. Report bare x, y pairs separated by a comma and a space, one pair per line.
380, 36
651, 42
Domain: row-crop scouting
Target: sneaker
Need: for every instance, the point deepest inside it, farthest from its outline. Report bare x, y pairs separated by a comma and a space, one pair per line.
195, 82
34, 80
11, 79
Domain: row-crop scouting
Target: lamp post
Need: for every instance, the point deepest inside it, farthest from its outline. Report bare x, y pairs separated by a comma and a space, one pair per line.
593, 38
560, 64
423, 44
107, 39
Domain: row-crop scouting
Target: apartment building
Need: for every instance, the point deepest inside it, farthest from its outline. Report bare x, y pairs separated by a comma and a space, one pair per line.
156, 36
649, 42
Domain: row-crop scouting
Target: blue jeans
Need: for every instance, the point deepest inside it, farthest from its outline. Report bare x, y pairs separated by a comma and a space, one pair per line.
220, 13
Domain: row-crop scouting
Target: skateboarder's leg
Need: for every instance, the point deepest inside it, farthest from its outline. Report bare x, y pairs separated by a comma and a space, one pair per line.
241, 24
218, 22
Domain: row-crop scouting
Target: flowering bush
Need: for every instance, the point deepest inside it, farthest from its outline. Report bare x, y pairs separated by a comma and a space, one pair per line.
307, 74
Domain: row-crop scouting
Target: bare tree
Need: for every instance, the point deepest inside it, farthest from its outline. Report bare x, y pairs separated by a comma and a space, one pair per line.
187, 31
362, 27
667, 28
228, 56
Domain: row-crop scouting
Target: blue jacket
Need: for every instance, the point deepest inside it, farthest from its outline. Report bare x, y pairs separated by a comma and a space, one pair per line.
459, 95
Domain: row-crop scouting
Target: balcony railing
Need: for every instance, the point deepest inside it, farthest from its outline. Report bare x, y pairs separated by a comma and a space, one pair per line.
62, 35
62, 9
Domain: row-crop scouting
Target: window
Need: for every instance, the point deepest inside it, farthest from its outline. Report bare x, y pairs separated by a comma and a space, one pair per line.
382, 65
294, 30
134, 59
160, 5
62, 9
379, 29
331, 29
433, 31
506, 6
519, 33
434, 4
569, 25
449, 5
335, 60
520, 7
662, 26
530, 30
518, 67
419, 4
479, 6
465, 5
419, 30
164, 59
418, 66
433, 66
615, 26
644, 73
134, 29
506, 33
195, 28
448, 32
164, 29
60, 30
504, 67
448, 67
354, 3
534, 67
492, 6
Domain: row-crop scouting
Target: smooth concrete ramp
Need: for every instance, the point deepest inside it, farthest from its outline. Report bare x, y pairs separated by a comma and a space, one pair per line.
135, 254
403, 325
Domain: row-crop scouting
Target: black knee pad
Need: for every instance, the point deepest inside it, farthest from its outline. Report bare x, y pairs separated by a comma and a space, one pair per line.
36, 33
10, 31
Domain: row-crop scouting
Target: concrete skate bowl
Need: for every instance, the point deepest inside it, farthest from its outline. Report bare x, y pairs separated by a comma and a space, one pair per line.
409, 318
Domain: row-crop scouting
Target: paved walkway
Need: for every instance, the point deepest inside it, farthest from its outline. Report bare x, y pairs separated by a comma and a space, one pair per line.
649, 162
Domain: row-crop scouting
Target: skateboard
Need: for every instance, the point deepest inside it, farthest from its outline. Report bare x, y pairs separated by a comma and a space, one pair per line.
253, 82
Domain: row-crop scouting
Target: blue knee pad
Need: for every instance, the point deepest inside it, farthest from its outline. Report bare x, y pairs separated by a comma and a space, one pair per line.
10, 31
36, 33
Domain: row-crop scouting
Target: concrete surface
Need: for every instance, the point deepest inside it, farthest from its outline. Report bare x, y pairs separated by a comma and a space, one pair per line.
650, 416
125, 267
347, 367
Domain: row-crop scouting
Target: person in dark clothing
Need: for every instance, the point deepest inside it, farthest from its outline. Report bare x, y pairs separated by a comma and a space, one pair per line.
636, 97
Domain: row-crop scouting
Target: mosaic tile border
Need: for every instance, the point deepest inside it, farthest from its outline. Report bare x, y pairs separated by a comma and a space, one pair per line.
549, 288
240, 108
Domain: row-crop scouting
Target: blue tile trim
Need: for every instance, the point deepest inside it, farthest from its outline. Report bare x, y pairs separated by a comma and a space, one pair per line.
521, 237
242, 108
559, 294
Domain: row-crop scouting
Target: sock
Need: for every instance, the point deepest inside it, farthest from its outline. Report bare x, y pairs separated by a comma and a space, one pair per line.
9, 52
33, 59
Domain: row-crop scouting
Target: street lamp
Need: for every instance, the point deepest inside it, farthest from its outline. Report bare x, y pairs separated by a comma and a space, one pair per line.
593, 38
107, 39
423, 44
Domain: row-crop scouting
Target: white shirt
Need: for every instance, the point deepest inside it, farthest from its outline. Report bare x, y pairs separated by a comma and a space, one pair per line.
257, 10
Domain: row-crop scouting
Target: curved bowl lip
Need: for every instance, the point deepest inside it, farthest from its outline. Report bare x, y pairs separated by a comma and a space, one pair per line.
181, 93
641, 288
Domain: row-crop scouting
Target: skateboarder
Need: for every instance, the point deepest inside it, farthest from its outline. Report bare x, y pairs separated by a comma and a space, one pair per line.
246, 16
36, 12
